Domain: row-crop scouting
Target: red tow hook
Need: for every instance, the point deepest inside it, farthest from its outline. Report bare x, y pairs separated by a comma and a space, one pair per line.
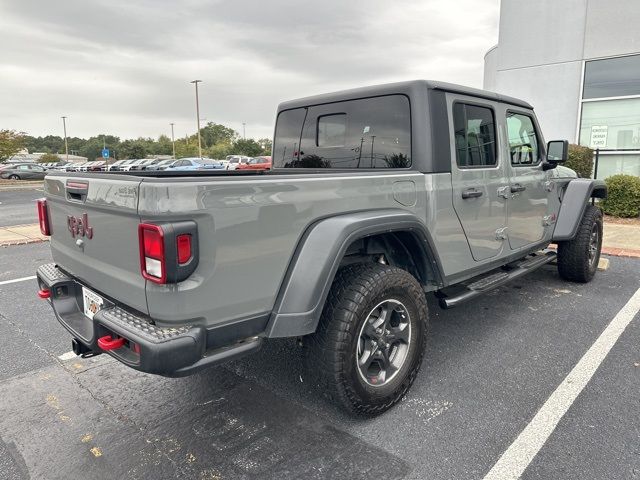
109, 343
44, 293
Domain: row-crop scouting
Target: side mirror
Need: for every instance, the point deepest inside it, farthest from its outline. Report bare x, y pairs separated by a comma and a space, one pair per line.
557, 152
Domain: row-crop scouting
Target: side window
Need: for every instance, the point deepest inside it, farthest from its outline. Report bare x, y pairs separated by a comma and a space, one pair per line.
23, 167
364, 133
332, 130
287, 137
475, 136
523, 141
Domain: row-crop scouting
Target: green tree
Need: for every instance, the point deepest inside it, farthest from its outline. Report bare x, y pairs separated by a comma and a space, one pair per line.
92, 148
49, 157
186, 149
265, 144
248, 147
215, 133
220, 150
11, 142
133, 149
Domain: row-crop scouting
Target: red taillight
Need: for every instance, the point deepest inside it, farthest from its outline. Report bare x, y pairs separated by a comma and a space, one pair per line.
184, 248
152, 258
43, 217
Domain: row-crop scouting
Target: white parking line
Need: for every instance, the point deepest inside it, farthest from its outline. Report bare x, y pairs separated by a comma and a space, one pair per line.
519, 455
16, 280
67, 356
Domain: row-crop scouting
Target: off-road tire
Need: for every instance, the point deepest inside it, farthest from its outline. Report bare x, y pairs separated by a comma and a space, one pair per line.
574, 261
331, 352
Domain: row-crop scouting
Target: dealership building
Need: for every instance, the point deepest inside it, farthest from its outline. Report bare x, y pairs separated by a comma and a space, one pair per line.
578, 63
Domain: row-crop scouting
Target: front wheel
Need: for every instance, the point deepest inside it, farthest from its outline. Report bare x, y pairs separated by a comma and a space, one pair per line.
371, 337
14, 177
578, 258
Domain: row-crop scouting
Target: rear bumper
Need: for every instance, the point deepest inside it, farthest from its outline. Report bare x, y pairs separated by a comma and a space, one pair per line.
173, 352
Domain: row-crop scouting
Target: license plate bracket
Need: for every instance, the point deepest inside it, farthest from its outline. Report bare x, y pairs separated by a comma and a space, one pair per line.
92, 302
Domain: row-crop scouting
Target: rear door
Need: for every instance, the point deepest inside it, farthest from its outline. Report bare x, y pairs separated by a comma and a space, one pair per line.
528, 203
478, 174
94, 225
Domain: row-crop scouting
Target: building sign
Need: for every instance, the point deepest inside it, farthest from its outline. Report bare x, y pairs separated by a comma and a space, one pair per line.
599, 136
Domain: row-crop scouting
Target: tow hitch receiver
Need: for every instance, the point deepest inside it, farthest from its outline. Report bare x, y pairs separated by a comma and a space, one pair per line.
109, 343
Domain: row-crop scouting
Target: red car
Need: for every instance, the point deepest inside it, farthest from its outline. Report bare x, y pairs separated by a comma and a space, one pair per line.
256, 163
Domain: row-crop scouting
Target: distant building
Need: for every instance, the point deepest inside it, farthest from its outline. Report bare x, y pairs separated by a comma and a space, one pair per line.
26, 157
578, 63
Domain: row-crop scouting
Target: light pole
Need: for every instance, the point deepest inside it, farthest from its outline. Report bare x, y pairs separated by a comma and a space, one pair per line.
66, 146
173, 141
196, 82
244, 132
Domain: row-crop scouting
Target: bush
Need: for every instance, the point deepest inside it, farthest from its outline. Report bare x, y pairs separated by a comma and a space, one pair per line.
49, 157
623, 199
581, 160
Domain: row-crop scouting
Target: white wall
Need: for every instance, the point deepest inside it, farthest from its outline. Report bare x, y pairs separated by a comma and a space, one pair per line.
613, 28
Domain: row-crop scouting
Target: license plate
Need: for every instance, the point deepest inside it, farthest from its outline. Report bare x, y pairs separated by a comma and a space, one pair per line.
92, 302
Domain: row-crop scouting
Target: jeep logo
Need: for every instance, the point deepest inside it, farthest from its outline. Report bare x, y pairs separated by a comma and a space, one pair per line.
79, 226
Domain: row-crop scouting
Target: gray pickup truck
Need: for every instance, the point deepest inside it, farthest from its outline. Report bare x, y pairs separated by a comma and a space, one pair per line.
377, 197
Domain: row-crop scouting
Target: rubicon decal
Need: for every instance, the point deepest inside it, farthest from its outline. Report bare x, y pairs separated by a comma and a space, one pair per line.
79, 226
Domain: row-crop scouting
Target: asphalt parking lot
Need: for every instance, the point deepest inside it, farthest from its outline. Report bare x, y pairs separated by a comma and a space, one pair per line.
491, 365
19, 206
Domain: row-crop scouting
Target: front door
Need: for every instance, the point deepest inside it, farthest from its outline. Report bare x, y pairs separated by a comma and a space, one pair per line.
478, 175
527, 206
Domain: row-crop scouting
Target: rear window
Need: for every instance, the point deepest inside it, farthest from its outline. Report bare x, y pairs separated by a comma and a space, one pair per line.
364, 133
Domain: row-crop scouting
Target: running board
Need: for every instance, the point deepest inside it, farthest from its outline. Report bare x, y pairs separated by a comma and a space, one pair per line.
493, 280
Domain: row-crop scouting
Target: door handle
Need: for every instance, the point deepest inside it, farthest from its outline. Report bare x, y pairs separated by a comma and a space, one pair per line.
472, 193
515, 188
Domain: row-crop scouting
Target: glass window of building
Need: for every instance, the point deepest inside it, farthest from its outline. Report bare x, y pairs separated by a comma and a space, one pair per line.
612, 77
610, 118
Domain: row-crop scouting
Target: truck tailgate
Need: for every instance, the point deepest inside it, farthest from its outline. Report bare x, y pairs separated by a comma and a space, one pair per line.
94, 233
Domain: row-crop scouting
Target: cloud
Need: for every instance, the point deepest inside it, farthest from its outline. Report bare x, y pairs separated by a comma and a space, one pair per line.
124, 67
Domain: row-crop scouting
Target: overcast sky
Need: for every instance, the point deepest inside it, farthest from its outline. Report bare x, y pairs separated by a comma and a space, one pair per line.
123, 67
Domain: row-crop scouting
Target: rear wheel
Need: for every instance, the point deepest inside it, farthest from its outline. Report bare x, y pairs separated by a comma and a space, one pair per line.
578, 258
370, 340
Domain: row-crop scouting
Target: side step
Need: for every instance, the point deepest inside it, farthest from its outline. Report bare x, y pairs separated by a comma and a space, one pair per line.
493, 280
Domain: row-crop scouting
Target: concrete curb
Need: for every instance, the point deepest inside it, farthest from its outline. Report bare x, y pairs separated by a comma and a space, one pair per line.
26, 241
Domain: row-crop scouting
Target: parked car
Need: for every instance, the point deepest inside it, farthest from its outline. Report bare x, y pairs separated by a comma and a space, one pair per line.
338, 246
188, 164
24, 171
126, 165
137, 165
234, 160
160, 165
71, 167
96, 166
115, 166
256, 163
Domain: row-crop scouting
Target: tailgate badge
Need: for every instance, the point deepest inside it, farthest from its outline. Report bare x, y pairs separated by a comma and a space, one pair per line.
79, 226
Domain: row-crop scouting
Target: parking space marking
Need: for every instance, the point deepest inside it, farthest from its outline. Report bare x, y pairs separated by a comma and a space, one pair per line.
16, 280
522, 451
67, 356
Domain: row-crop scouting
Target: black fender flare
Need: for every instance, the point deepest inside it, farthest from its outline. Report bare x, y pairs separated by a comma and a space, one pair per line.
574, 202
316, 260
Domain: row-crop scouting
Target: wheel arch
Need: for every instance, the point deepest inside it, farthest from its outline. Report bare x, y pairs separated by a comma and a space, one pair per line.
323, 249
574, 201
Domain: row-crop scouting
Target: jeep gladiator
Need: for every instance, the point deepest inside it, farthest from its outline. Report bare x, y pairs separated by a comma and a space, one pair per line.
377, 197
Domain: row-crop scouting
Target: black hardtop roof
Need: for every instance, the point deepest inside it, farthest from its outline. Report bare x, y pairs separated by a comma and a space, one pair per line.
401, 88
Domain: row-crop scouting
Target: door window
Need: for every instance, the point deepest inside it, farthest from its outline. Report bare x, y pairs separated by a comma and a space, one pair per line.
475, 136
523, 140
